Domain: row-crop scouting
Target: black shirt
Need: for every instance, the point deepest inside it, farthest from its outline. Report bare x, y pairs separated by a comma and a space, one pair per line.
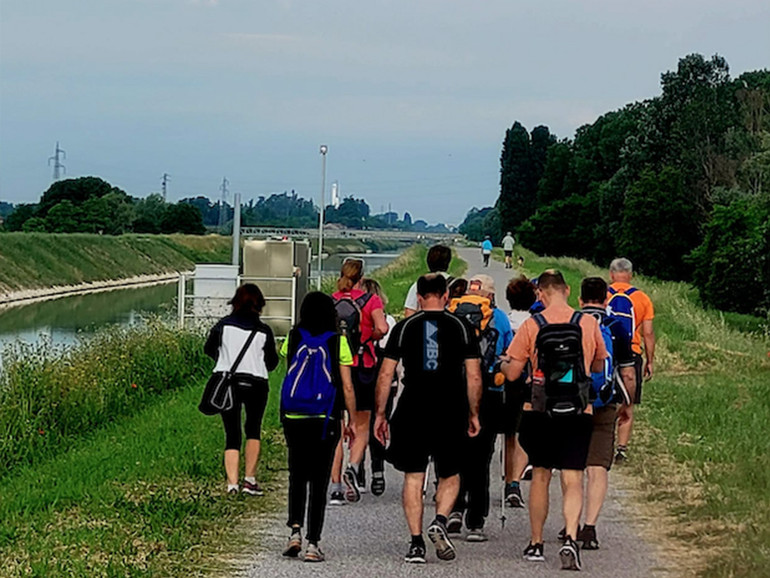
433, 346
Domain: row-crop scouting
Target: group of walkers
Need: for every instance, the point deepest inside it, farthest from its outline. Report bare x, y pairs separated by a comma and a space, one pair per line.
432, 392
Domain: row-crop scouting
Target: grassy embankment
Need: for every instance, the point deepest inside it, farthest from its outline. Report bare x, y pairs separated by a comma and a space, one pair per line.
41, 260
701, 448
101, 478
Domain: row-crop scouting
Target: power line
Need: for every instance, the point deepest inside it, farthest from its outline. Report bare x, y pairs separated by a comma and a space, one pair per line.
222, 213
58, 168
163, 183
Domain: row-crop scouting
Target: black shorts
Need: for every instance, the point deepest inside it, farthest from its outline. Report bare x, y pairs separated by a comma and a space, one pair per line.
413, 442
509, 253
556, 442
639, 368
364, 381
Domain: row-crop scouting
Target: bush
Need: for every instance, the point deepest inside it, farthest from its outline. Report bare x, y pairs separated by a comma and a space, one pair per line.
50, 395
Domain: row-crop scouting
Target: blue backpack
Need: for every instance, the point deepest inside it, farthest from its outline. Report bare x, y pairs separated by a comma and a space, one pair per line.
621, 308
604, 381
308, 388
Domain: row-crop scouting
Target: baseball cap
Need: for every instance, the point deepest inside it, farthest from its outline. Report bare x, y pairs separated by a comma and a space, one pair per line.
481, 284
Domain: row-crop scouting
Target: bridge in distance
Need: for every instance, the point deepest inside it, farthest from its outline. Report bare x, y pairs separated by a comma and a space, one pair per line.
341, 233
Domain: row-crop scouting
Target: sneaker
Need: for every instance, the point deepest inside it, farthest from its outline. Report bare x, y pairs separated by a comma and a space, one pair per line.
513, 497
416, 554
437, 533
562, 535
232, 492
527, 475
588, 536
294, 546
454, 524
314, 554
621, 455
534, 552
476, 535
337, 499
570, 555
352, 491
252, 489
378, 483
361, 479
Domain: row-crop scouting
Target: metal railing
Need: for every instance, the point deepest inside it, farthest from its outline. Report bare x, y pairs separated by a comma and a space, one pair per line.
186, 298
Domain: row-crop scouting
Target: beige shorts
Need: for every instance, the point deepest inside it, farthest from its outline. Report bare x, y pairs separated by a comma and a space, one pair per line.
602, 447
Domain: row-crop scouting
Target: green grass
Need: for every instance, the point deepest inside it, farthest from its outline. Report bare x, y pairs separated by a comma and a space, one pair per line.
129, 481
49, 396
141, 497
702, 439
39, 260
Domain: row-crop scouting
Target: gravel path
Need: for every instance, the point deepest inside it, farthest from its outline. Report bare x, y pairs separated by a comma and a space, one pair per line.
369, 539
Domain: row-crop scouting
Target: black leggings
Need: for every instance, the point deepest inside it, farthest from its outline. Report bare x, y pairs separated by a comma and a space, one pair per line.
253, 396
310, 465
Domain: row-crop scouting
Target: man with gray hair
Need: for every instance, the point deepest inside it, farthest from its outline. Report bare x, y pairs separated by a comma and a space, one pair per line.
634, 309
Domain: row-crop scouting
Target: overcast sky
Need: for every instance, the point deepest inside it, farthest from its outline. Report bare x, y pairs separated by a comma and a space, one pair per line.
412, 97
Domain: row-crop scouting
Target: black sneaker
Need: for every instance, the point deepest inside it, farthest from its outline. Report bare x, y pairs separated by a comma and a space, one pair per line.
352, 491
513, 496
416, 554
527, 475
437, 533
570, 555
337, 499
562, 535
534, 552
588, 537
378, 483
621, 455
454, 524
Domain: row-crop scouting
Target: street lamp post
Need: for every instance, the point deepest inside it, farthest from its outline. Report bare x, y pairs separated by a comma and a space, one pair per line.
324, 150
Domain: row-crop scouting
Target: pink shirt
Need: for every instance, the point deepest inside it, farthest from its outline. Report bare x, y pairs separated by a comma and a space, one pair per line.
367, 325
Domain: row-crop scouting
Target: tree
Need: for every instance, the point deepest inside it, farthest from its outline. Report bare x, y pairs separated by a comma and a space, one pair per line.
63, 217
558, 164
182, 218
475, 224
658, 228
77, 191
149, 213
351, 213
407, 220
21, 214
517, 199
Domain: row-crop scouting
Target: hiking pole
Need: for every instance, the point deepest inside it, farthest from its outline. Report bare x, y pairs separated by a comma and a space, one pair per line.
502, 475
427, 476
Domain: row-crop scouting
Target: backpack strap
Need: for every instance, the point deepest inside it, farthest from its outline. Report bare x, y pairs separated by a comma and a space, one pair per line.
540, 320
631, 290
612, 291
242, 353
576, 317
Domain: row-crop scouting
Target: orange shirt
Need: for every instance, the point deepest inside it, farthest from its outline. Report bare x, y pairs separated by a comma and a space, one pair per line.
643, 311
523, 346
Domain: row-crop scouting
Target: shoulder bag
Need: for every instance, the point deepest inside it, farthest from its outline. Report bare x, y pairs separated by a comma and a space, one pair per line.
218, 393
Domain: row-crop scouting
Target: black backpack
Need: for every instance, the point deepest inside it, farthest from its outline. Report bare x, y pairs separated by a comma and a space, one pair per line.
559, 348
349, 313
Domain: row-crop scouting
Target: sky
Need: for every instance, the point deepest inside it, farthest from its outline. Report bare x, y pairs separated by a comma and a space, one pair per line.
412, 98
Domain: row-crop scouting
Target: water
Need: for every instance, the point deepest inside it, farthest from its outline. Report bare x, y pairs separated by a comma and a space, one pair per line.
62, 321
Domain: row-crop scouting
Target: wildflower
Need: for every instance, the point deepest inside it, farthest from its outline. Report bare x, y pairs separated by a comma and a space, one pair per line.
133, 385
41, 432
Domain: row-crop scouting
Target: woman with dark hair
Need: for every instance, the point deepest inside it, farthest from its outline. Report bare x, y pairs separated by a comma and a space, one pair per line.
312, 436
362, 320
225, 342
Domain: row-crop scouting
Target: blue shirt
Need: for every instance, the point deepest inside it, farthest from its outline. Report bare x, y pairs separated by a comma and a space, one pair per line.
486, 246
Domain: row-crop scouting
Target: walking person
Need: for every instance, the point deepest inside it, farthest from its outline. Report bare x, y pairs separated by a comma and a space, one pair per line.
563, 347
493, 329
376, 449
317, 387
486, 250
520, 294
438, 259
361, 317
634, 309
243, 331
508, 243
436, 412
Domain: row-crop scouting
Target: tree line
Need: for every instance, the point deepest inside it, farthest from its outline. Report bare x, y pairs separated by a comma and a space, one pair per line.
92, 205
678, 183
